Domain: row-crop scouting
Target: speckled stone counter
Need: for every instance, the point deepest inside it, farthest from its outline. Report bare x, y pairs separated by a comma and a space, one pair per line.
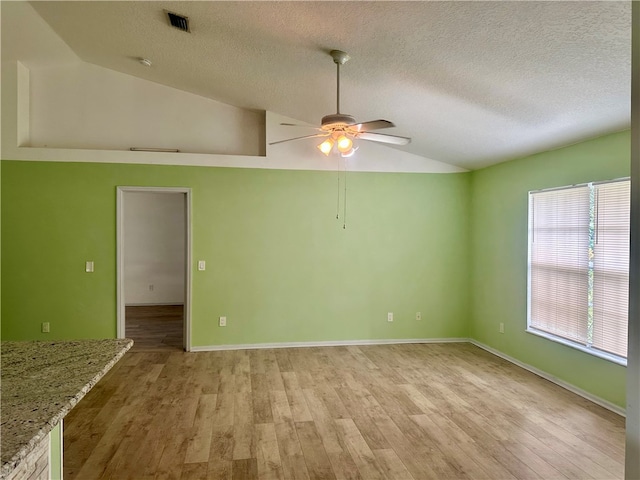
40, 383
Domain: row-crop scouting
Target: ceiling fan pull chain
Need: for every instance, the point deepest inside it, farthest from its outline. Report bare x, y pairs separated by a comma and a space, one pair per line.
344, 214
338, 202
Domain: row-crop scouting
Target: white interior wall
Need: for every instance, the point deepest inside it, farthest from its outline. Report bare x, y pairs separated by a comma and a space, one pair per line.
87, 106
154, 248
632, 456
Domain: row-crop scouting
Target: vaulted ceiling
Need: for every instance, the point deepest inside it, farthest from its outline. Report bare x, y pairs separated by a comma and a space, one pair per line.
473, 83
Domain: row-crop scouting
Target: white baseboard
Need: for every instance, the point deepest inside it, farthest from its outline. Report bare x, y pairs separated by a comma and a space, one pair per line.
572, 388
330, 343
153, 304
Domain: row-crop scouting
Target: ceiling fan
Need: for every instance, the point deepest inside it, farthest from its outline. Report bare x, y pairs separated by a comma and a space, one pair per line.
340, 129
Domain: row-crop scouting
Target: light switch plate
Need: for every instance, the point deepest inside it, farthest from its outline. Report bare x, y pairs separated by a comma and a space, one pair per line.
88, 267
202, 265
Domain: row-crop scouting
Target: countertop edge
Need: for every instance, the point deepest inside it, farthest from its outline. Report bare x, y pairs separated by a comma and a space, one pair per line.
21, 454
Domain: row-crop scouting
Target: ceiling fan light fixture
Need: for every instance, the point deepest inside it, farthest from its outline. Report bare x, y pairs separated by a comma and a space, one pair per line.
326, 146
349, 153
344, 144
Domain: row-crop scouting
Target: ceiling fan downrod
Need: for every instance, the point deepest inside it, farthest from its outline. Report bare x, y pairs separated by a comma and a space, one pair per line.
340, 58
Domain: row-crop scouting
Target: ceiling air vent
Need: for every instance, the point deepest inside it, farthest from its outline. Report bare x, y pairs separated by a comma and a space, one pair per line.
179, 21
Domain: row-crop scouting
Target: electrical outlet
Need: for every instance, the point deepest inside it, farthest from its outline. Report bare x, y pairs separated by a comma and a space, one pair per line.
45, 327
151, 288
222, 322
501, 328
390, 317
418, 316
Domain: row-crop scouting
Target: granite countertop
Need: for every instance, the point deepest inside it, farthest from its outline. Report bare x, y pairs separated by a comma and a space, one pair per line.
41, 382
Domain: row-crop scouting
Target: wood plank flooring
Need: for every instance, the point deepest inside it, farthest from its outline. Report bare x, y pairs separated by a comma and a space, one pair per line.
155, 327
441, 411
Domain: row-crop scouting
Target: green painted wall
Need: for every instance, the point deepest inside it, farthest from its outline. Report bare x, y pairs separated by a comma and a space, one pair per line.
499, 257
281, 268
279, 265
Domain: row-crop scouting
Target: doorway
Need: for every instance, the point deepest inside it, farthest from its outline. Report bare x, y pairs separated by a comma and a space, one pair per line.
154, 267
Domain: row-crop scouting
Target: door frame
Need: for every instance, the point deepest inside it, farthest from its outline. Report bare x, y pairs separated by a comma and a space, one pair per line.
121, 190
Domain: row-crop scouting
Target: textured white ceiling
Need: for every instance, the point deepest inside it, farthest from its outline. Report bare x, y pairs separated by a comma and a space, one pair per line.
473, 83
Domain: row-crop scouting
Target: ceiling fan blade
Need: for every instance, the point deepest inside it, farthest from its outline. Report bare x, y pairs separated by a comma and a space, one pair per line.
373, 125
299, 138
382, 138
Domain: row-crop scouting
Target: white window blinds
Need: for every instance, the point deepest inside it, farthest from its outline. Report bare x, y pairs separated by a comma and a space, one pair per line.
578, 264
611, 267
559, 263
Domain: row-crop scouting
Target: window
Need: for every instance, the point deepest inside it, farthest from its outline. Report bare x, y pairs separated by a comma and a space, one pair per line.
579, 266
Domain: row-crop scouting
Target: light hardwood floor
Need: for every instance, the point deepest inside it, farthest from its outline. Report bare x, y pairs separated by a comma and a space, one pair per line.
439, 411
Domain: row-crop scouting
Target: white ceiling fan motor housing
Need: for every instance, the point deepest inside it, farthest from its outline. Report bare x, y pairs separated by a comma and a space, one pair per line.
337, 120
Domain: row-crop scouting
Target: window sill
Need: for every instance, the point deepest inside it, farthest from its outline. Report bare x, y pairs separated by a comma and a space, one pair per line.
591, 351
